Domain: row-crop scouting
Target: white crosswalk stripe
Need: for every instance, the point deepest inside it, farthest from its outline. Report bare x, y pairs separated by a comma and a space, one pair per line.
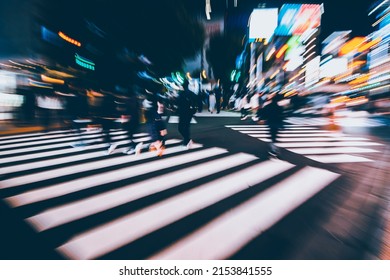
175, 119
132, 192
85, 246
59, 191
316, 144
342, 121
268, 207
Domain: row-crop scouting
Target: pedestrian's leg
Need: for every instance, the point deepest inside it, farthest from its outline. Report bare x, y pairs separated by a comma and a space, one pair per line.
184, 128
273, 148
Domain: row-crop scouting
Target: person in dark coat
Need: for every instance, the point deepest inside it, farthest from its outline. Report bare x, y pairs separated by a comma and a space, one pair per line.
218, 96
272, 113
105, 115
130, 116
186, 108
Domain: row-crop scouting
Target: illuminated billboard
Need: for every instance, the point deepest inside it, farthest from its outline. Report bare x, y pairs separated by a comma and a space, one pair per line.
262, 24
334, 67
298, 18
312, 75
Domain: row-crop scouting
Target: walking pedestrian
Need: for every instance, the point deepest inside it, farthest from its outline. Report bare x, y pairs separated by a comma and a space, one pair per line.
105, 113
272, 113
186, 104
212, 102
150, 106
130, 120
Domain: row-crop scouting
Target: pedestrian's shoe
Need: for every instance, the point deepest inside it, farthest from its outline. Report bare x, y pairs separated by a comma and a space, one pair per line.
273, 154
160, 151
255, 119
129, 151
138, 148
154, 146
111, 149
77, 145
189, 144
244, 118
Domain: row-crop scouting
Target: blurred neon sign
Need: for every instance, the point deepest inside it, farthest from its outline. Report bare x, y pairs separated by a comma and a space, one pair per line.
262, 24
68, 39
84, 62
298, 18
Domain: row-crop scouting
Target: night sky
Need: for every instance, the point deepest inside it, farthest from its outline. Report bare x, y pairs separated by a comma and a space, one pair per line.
343, 15
339, 15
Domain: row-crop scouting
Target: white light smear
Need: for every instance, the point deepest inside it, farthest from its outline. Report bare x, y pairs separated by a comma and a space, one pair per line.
337, 150
50, 141
228, 233
107, 177
338, 158
66, 151
358, 122
100, 241
98, 203
327, 144
65, 159
59, 145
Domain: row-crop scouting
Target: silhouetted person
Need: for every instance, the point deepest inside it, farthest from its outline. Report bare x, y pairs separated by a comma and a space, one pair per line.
272, 113
218, 96
131, 117
186, 107
105, 114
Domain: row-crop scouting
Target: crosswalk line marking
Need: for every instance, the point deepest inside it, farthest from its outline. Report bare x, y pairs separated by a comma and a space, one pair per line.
265, 139
66, 151
41, 137
256, 134
304, 131
175, 119
337, 150
251, 129
88, 182
263, 125
98, 241
300, 128
59, 145
74, 169
310, 139
341, 158
228, 233
23, 135
66, 134
326, 144
68, 138
65, 159
98, 203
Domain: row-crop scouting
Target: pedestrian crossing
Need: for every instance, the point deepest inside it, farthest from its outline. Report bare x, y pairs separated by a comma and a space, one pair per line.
340, 121
188, 204
316, 144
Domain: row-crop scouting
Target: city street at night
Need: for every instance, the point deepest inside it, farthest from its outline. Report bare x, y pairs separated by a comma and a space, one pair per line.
194, 130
